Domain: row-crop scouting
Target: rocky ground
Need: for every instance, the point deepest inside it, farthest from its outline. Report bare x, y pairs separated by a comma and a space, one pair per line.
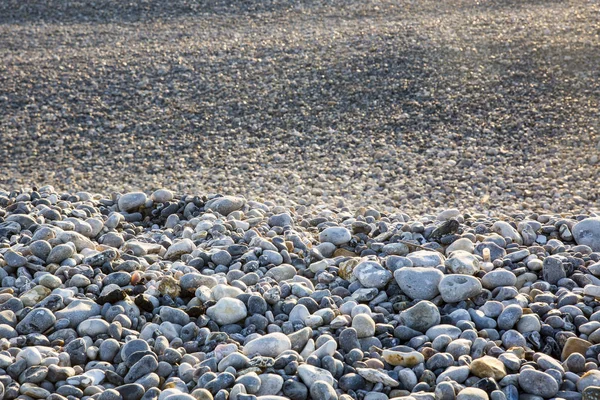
184, 297
414, 106
407, 200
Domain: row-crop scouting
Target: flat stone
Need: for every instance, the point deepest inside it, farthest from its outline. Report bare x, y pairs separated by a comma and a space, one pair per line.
36, 321
590, 378
405, 359
575, 345
227, 311
553, 270
462, 262
78, 311
488, 367
176, 250
426, 258
538, 383
419, 283
271, 345
309, 374
225, 205
456, 288
335, 234
421, 316
587, 232
132, 201
504, 229
376, 376
372, 275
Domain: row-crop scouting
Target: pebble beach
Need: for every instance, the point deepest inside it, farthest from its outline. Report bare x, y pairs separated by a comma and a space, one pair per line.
374, 200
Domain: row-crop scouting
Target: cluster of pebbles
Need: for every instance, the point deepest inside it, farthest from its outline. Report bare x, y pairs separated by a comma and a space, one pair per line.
412, 105
216, 297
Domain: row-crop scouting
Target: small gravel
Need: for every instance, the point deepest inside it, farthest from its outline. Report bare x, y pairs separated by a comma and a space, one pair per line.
414, 106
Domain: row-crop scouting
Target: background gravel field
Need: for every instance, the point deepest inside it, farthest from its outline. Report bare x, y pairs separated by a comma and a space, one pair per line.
412, 105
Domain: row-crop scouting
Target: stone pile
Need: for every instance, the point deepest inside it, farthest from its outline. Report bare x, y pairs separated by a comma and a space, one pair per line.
136, 296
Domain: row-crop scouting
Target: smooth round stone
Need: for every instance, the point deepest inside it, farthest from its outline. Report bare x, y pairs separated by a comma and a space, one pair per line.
271, 345
590, 378
504, 229
323, 390
462, 262
497, 278
426, 258
419, 283
488, 367
295, 390
309, 374
512, 338
463, 244
251, 382
162, 196
364, 325
40, 249
270, 384
60, 253
351, 381
529, 323
509, 316
225, 205
92, 327
31, 355
299, 313
335, 234
372, 275
443, 329
456, 288
50, 281
36, 321
472, 394
538, 383
134, 346
421, 316
132, 201
227, 311
587, 232
176, 250
575, 345
283, 219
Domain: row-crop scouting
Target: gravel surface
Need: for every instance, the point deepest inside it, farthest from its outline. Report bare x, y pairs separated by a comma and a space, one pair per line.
413, 106
162, 297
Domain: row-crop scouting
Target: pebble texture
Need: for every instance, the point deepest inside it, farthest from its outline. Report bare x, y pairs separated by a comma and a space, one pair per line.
414, 106
223, 297
407, 202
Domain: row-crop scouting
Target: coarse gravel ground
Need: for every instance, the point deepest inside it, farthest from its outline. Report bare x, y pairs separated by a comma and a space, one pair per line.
411, 105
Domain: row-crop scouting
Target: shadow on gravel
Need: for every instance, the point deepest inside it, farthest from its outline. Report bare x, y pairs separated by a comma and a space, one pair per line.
103, 11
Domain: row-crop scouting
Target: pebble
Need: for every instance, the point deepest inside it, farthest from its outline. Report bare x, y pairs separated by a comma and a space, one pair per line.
538, 383
456, 288
421, 316
227, 311
419, 283
335, 235
587, 232
132, 201
271, 345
